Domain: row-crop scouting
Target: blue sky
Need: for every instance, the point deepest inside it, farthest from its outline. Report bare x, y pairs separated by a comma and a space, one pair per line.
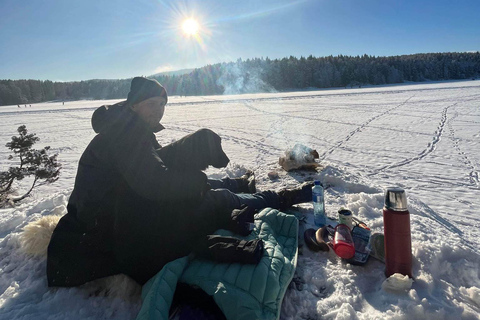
64, 40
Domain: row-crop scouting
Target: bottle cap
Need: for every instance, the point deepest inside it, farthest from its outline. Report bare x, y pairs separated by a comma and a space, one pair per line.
317, 182
396, 199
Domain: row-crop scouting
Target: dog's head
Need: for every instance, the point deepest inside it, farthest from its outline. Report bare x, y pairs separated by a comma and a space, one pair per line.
196, 151
214, 155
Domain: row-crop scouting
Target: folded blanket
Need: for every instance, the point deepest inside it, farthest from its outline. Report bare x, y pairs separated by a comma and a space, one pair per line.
242, 291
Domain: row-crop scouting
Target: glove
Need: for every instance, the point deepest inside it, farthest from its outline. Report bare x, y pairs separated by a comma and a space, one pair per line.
241, 219
229, 249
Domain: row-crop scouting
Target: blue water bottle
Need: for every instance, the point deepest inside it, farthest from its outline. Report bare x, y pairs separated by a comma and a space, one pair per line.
318, 198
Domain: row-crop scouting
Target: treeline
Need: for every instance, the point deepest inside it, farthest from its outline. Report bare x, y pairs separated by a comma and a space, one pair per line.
262, 75
32, 91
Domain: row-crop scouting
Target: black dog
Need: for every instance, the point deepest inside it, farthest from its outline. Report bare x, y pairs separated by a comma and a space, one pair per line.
195, 151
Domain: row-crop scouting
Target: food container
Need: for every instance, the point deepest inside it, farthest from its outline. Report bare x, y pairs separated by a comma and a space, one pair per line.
345, 216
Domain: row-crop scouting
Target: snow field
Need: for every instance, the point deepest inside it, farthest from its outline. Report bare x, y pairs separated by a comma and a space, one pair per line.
422, 137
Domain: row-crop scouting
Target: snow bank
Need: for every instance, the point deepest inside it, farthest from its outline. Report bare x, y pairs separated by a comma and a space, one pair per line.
446, 269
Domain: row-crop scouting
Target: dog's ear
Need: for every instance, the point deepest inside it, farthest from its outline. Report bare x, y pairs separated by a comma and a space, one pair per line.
195, 152
218, 158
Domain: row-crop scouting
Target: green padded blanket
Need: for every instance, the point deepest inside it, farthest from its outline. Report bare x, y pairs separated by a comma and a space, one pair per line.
242, 291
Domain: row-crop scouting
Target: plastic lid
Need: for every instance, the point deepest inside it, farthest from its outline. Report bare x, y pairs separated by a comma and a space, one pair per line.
344, 251
345, 212
317, 182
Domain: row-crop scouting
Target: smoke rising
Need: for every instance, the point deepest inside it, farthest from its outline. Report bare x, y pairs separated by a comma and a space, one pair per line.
237, 79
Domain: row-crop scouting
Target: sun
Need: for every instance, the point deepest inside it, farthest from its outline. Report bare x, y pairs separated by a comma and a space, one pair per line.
190, 27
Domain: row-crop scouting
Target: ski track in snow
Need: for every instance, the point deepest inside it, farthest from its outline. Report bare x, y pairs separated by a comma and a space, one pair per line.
282, 115
473, 175
429, 149
360, 128
249, 143
276, 128
285, 96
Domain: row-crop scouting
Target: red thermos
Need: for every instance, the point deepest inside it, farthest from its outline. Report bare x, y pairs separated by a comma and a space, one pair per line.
398, 242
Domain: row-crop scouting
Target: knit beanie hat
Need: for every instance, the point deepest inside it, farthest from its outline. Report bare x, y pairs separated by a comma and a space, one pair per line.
142, 89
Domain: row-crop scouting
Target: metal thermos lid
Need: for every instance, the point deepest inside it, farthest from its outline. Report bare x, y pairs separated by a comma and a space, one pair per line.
396, 199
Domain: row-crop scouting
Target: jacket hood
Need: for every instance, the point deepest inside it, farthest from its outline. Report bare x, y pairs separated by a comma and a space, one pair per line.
108, 115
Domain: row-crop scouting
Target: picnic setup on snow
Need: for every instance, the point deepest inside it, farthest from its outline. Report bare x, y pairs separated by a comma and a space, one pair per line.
254, 289
350, 238
201, 247
240, 160
243, 271
323, 241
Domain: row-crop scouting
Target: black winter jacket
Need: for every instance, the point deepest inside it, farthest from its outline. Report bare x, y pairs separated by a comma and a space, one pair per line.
129, 212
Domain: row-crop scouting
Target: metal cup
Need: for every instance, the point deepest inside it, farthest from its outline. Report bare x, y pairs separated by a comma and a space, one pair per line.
396, 199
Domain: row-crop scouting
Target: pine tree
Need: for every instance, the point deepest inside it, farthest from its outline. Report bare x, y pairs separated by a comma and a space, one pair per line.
32, 163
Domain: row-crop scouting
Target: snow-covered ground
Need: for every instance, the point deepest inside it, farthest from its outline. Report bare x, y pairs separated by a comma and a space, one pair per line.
424, 138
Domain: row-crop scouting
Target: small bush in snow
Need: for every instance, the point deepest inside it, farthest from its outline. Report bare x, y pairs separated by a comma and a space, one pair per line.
37, 164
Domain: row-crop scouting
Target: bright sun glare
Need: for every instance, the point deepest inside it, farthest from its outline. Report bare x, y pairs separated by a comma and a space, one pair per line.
190, 27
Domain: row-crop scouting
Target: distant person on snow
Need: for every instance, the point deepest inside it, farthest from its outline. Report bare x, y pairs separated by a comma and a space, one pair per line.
136, 206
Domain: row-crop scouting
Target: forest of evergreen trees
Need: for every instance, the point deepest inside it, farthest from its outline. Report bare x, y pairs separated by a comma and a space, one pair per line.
262, 75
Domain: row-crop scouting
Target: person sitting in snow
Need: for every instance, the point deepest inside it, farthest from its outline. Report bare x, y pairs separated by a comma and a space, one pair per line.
136, 206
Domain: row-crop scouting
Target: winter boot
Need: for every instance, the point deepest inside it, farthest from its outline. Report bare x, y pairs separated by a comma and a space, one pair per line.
301, 194
246, 183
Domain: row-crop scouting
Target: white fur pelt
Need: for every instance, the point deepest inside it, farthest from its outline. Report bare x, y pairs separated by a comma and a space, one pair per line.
36, 235
34, 241
117, 286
